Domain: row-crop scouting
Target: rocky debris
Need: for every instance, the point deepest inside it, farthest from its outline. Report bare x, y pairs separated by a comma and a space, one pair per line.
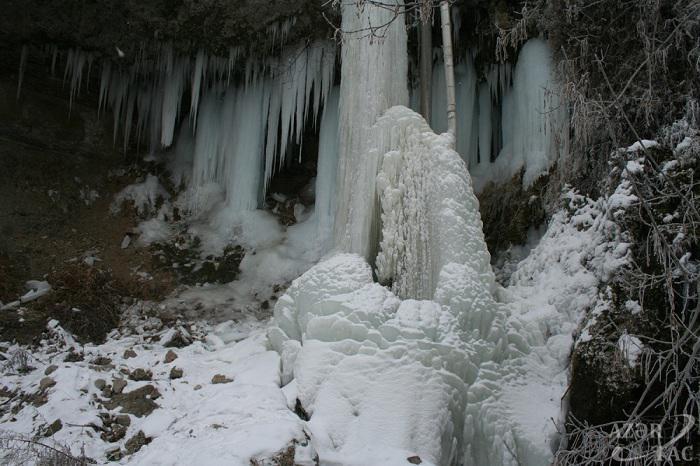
141, 374
114, 428
176, 373
118, 385
414, 459
135, 443
178, 339
36, 399
170, 356
197, 387
115, 454
282, 458
113, 433
183, 255
51, 369
138, 402
220, 378
129, 354
52, 428
100, 384
123, 420
101, 361
74, 356
46, 383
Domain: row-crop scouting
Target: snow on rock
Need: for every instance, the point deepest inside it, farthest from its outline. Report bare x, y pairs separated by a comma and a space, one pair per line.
37, 289
154, 230
642, 145
144, 195
631, 348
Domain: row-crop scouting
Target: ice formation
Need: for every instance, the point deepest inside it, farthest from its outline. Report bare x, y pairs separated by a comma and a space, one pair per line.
509, 120
368, 366
325, 205
289, 90
383, 378
374, 77
531, 119
430, 216
432, 363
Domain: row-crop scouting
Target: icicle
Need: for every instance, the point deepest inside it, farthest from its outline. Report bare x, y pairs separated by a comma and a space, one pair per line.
529, 119
243, 149
324, 208
206, 157
485, 109
69, 64
22, 66
467, 107
374, 78
54, 54
172, 93
90, 59
273, 128
129, 119
438, 99
228, 146
197, 77
75, 70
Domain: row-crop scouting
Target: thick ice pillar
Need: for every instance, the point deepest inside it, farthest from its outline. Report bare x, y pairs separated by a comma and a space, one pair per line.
374, 78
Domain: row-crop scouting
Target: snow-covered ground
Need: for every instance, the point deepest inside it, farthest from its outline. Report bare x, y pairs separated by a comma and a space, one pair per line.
215, 401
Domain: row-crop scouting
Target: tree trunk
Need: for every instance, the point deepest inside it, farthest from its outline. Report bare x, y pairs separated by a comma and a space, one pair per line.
449, 68
426, 67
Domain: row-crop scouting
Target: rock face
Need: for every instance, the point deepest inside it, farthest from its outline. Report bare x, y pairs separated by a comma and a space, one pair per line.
213, 24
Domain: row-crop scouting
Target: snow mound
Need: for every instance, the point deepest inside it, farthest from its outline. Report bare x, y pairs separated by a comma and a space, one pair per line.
374, 373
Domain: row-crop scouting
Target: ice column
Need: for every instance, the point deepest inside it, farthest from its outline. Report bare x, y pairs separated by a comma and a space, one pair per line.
374, 78
327, 167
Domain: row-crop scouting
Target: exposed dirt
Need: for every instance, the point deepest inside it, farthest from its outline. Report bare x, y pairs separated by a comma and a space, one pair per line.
58, 176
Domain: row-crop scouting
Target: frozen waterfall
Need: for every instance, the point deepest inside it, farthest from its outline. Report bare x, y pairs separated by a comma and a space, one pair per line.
382, 377
399, 342
511, 119
374, 70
